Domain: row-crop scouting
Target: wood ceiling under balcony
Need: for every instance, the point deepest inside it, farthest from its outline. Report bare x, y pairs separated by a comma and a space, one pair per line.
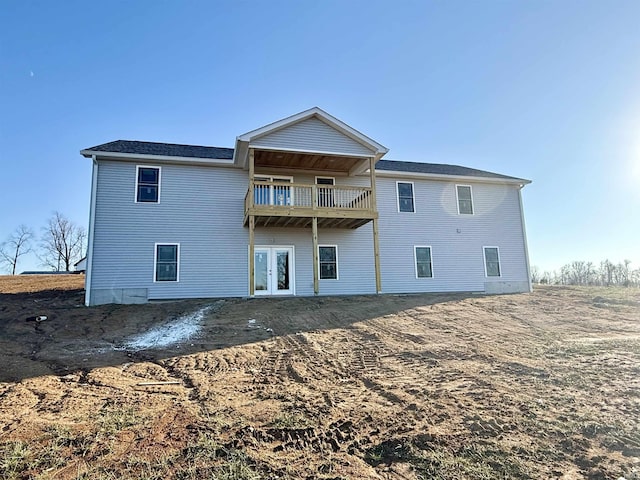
305, 161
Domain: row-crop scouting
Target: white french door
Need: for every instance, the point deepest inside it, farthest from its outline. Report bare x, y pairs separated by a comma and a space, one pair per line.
273, 271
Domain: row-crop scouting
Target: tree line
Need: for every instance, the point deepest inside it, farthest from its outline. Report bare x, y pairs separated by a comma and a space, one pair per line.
580, 272
59, 246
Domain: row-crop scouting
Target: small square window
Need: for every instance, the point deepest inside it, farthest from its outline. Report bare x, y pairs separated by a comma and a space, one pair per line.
465, 200
167, 261
492, 261
405, 197
423, 262
148, 185
328, 259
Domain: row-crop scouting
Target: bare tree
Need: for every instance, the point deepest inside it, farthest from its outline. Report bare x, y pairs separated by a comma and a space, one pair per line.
535, 274
18, 244
62, 243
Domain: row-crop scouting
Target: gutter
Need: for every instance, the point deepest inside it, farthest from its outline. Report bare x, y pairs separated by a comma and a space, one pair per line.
156, 158
521, 182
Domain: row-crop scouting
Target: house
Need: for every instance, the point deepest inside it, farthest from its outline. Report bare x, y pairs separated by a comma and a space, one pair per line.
80, 266
302, 206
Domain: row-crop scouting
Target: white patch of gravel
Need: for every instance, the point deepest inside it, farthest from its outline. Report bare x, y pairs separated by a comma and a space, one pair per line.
169, 333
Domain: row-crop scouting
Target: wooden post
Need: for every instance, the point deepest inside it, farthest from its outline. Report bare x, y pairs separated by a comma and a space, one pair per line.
316, 266
252, 225
252, 256
374, 206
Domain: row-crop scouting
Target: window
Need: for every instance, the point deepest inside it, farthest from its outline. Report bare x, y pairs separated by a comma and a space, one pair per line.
465, 201
423, 262
328, 259
405, 197
492, 261
325, 194
167, 263
147, 184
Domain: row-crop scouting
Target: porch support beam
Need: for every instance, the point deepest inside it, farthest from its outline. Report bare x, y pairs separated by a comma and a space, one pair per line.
316, 266
252, 226
374, 206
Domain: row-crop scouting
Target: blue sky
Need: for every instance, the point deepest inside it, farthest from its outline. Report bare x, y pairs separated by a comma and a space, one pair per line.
543, 90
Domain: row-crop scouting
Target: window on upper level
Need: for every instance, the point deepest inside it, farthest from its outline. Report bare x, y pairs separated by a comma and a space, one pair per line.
167, 262
465, 199
405, 197
147, 184
423, 262
491, 261
328, 260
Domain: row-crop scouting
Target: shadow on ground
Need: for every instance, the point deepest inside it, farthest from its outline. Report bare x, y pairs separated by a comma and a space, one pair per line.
76, 337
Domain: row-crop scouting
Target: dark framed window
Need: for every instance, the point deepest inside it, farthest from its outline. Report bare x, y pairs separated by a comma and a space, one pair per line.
405, 197
492, 261
167, 260
325, 194
424, 267
328, 259
465, 199
148, 185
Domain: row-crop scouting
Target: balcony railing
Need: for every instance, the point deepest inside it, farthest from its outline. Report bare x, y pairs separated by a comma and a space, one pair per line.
267, 198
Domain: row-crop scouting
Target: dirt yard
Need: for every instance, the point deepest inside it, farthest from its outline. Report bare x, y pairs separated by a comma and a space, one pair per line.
536, 386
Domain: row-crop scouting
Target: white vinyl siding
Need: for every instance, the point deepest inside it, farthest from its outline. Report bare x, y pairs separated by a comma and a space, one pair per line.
213, 242
492, 261
406, 197
465, 199
312, 135
424, 263
456, 241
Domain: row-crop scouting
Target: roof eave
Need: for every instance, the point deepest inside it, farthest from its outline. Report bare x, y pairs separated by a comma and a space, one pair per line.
159, 158
440, 176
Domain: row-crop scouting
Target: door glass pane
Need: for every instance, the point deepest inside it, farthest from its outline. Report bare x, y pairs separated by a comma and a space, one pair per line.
281, 193
261, 271
282, 259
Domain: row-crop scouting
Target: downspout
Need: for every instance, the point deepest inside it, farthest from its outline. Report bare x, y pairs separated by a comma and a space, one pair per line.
92, 222
524, 236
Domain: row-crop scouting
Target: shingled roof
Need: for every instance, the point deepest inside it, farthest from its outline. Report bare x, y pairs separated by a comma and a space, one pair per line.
221, 153
162, 149
439, 169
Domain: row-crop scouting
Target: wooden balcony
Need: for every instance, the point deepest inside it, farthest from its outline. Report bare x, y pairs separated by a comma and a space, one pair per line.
284, 204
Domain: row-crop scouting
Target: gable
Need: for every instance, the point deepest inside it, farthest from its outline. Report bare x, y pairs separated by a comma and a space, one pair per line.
311, 135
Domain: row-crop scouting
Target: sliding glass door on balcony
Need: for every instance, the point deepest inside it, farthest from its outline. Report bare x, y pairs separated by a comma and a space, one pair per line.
279, 193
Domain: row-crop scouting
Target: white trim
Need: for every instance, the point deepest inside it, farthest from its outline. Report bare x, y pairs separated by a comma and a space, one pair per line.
138, 167
484, 260
435, 176
473, 210
292, 267
92, 225
155, 260
415, 260
524, 236
413, 194
136, 157
337, 269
